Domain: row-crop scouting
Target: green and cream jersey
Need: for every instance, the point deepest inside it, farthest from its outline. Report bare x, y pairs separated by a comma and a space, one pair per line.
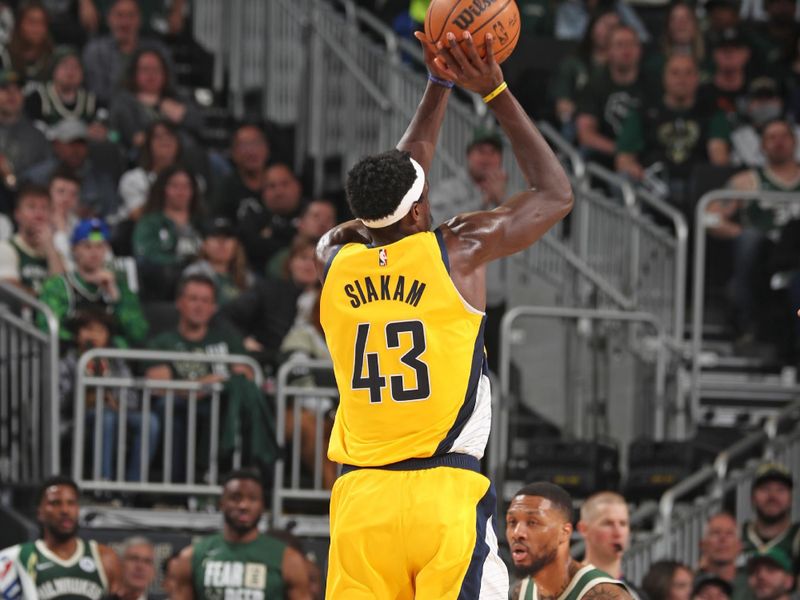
583, 581
79, 577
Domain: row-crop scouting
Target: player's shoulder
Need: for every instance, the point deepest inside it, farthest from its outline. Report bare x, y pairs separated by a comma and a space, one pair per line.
608, 590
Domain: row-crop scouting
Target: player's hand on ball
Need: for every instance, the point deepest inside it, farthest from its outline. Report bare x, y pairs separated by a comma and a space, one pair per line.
435, 67
466, 67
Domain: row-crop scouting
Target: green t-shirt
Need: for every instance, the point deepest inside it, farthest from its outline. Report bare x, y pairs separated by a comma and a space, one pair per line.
609, 102
572, 77
770, 216
158, 240
69, 294
677, 138
79, 577
216, 342
252, 571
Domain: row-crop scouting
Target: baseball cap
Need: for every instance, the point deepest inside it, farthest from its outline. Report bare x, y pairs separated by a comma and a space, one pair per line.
771, 471
486, 136
94, 230
729, 37
219, 226
776, 556
69, 130
704, 579
763, 87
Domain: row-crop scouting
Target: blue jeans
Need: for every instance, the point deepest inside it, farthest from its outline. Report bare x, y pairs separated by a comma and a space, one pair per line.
110, 427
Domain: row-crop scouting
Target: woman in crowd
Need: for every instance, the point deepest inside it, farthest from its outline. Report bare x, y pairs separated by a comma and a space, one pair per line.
161, 149
668, 580
223, 260
574, 71
681, 35
268, 309
149, 97
166, 237
31, 47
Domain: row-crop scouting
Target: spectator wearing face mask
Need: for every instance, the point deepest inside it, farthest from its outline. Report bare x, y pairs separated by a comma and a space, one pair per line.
763, 104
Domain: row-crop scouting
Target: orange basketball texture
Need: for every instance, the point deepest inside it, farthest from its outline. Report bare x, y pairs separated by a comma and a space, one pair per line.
479, 17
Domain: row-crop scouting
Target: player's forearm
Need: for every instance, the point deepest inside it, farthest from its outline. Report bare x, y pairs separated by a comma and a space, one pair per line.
423, 132
538, 163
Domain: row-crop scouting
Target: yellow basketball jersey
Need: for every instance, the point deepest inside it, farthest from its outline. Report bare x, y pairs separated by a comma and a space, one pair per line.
407, 353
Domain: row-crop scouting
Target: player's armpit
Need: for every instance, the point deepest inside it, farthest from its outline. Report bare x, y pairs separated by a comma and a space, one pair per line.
350, 232
295, 574
607, 591
112, 568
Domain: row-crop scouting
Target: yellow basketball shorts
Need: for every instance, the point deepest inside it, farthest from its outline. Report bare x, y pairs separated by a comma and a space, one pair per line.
423, 534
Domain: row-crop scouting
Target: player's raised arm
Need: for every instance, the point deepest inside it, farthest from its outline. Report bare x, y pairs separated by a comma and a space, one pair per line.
419, 140
476, 238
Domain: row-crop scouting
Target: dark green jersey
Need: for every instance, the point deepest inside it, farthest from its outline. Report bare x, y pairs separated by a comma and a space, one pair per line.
788, 541
216, 342
583, 581
226, 571
78, 577
33, 268
768, 216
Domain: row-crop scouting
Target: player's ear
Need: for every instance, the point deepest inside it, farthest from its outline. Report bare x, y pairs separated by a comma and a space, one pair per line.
581, 527
566, 532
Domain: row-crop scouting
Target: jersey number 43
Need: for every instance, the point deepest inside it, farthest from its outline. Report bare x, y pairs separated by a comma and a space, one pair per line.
374, 381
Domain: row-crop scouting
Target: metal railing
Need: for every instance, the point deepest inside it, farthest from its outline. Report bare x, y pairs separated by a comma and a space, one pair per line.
509, 406
290, 485
29, 449
702, 223
680, 527
129, 389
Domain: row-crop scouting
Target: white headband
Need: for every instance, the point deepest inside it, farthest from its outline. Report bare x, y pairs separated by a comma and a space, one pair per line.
412, 195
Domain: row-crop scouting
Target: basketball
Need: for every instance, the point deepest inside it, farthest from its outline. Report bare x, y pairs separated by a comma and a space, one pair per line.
479, 17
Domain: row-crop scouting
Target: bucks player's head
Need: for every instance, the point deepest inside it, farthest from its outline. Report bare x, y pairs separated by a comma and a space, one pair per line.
242, 501
388, 192
538, 527
57, 508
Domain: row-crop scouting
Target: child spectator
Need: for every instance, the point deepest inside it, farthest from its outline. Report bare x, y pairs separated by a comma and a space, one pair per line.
65, 193
93, 286
92, 329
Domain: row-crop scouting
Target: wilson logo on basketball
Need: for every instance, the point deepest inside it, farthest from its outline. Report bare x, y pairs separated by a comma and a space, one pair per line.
465, 18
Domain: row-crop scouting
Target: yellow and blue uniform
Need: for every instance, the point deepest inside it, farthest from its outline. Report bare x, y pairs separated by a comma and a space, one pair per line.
412, 517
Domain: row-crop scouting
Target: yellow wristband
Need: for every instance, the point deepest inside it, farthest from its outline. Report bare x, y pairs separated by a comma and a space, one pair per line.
496, 92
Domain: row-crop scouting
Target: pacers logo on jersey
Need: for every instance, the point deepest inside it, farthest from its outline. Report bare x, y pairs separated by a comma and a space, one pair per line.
383, 257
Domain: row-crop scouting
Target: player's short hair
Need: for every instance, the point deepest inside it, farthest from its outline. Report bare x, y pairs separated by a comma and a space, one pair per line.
376, 184
555, 493
595, 501
56, 480
248, 474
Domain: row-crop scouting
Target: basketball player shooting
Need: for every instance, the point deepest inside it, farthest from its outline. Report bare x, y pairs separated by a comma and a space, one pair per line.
402, 310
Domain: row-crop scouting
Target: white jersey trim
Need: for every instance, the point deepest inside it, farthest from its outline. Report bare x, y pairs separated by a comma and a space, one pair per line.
475, 435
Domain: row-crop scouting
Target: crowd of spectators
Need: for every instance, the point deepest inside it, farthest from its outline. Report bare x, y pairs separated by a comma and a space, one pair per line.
757, 560
137, 234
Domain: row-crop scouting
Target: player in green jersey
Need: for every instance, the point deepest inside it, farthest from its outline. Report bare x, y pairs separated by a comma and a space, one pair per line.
60, 565
241, 563
538, 529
